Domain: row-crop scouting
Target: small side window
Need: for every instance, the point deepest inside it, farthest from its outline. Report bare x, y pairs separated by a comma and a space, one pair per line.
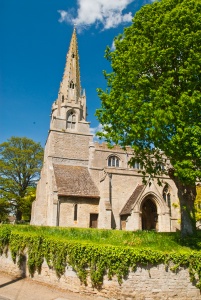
75, 212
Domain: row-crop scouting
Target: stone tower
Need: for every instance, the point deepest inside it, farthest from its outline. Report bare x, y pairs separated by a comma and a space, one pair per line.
66, 156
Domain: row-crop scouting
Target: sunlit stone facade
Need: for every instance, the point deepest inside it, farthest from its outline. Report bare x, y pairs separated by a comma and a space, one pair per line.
86, 184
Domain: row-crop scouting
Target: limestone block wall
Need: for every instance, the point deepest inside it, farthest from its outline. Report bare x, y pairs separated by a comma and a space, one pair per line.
102, 182
39, 206
44, 208
101, 153
146, 283
85, 207
123, 186
69, 145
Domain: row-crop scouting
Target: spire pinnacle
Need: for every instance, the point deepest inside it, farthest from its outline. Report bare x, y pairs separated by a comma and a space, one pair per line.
70, 98
70, 86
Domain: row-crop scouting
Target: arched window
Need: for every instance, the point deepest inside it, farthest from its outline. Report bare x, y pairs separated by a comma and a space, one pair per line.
166, 195
62, 98
75, 212
73, 55
113, 161
71, 121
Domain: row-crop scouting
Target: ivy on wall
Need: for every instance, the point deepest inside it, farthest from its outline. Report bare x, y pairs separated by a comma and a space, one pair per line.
89, 259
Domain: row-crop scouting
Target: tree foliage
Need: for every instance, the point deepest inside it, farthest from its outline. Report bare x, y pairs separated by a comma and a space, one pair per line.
153, 99
20, 164
4, 209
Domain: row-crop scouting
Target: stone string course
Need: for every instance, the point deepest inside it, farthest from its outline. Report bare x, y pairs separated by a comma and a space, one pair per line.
146, 283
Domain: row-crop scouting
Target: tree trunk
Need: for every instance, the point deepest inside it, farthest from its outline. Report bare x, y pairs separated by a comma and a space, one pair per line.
186, 195
18, 215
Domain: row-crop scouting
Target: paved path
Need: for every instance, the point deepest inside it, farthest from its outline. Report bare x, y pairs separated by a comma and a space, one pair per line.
12, 288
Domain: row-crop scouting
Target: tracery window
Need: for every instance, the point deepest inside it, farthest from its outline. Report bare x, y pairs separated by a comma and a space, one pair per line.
71, 121
113, 161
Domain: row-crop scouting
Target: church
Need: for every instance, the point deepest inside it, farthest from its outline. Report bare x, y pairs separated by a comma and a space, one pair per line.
85, 183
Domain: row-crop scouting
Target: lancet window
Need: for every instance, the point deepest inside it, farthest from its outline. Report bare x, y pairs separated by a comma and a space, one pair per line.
72, 85
167, 195
75, 212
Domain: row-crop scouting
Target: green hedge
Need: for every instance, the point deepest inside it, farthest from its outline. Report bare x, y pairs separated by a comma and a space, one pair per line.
90, 259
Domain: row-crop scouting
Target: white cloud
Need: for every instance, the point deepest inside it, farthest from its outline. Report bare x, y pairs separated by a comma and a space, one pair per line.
94, 130
108, 13
112, 48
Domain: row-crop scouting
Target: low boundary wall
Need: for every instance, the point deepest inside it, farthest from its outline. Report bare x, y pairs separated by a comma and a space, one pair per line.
146, 283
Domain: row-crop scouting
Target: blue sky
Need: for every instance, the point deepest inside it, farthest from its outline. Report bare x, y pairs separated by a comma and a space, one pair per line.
35, 37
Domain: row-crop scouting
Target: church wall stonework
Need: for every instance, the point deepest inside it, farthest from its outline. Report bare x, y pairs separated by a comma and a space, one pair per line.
150, 282
69, 145
84, 209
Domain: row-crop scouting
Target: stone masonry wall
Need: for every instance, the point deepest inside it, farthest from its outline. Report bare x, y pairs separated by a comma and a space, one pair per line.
69, 145
85, 207
146, 283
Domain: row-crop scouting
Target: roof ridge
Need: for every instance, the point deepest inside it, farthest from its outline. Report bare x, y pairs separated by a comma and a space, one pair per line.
126, 210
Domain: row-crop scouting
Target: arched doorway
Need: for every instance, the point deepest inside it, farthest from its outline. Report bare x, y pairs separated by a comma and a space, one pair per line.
149, 215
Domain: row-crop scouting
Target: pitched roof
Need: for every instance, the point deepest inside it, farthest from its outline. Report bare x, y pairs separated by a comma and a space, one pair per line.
126, 210
74, 181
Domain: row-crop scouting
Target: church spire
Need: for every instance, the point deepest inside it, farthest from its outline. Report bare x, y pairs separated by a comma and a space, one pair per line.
70, 106
70, 86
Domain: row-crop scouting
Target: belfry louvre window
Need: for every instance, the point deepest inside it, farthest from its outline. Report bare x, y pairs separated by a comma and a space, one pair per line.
71, 121
113, 161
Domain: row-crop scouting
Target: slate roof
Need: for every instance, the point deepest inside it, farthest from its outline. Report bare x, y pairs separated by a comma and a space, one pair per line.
126, 210
74, 181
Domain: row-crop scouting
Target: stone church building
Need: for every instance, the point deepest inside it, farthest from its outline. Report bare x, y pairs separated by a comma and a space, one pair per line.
86, 184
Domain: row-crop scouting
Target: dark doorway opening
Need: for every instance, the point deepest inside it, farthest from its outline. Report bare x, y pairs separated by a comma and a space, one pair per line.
93, 221
149, 215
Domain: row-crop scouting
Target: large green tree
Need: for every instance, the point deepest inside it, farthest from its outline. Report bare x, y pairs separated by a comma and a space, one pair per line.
20, 164
153, 98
